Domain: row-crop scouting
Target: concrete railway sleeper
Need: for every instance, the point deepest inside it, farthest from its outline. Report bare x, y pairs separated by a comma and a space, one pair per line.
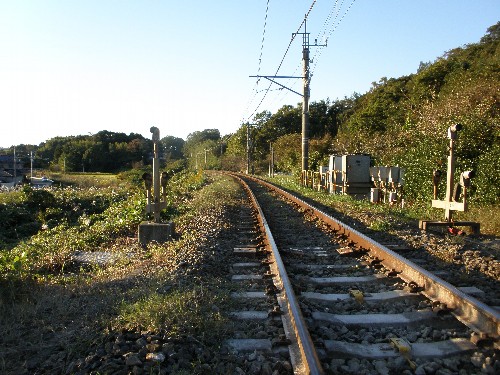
351, 305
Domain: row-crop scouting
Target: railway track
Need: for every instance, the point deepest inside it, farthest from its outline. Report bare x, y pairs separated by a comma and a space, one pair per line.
319, 297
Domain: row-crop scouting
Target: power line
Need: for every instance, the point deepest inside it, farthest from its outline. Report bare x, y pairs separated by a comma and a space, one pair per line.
332, 30
293, 36
255, 91
263, 37
283, 59
330, 14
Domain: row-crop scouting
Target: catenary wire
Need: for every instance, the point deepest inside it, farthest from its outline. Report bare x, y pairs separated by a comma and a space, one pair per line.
332, 30
282, 60
256, 86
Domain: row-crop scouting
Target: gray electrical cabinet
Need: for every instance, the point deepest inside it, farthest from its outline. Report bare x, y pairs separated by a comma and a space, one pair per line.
356, 174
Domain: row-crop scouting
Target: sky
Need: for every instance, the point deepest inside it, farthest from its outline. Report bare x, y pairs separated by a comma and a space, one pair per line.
77, 67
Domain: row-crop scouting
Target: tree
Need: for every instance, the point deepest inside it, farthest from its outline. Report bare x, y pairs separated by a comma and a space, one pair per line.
287, 153
172, 146
492, 34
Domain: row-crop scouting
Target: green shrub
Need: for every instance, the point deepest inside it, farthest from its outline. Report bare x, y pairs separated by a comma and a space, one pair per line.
487, 181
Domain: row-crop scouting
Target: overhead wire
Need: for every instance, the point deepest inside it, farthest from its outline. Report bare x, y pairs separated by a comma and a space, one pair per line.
282, 60
289, 82
327, 20
328, 28
255, 89
334, 26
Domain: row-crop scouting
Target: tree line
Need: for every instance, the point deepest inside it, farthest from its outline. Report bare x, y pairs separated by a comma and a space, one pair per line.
104, 151
399, 121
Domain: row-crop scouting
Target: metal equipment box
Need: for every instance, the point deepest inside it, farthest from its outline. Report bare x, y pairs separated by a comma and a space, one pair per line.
383, 174
335, 163
356, 174
401, 176
356, 168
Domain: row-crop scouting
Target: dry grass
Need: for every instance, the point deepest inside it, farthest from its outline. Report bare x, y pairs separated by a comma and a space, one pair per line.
62, 317
488, 217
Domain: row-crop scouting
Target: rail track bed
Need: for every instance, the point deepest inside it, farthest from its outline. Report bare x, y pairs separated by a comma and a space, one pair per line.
341, 307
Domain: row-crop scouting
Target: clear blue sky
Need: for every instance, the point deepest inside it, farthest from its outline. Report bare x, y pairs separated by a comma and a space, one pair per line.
71, 67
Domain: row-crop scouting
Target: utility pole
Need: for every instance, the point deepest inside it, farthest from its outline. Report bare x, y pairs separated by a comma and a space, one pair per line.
305, 99
15, 172
249, 149
306, 93
31, 165
271, 160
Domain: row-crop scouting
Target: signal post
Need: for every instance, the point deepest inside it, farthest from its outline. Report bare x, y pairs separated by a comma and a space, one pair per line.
156, 201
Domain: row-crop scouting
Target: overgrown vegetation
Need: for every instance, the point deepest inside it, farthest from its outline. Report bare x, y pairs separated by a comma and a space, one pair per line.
42, 228
66, 313
400, 121
384, 217
185, 310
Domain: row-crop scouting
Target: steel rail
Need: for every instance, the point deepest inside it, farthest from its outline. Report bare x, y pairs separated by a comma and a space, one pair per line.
310, 359
475, 314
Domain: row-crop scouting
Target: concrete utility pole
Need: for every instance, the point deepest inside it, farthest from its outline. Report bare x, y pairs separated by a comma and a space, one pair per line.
31, 165
305, 100
248, 148
15, 171
271, 160
249, 151
306, 94
305, 91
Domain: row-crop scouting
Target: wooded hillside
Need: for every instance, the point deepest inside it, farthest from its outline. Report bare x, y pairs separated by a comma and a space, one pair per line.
402, 121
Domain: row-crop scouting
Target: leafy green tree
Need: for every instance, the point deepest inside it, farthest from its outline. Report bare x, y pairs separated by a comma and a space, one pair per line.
287, 153
201, 148
492, 35
172, 147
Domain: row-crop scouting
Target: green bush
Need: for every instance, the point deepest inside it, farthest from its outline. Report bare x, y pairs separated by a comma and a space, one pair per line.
487, 181
419, 162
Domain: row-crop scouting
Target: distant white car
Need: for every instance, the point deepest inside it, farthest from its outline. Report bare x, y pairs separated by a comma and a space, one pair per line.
41, 181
